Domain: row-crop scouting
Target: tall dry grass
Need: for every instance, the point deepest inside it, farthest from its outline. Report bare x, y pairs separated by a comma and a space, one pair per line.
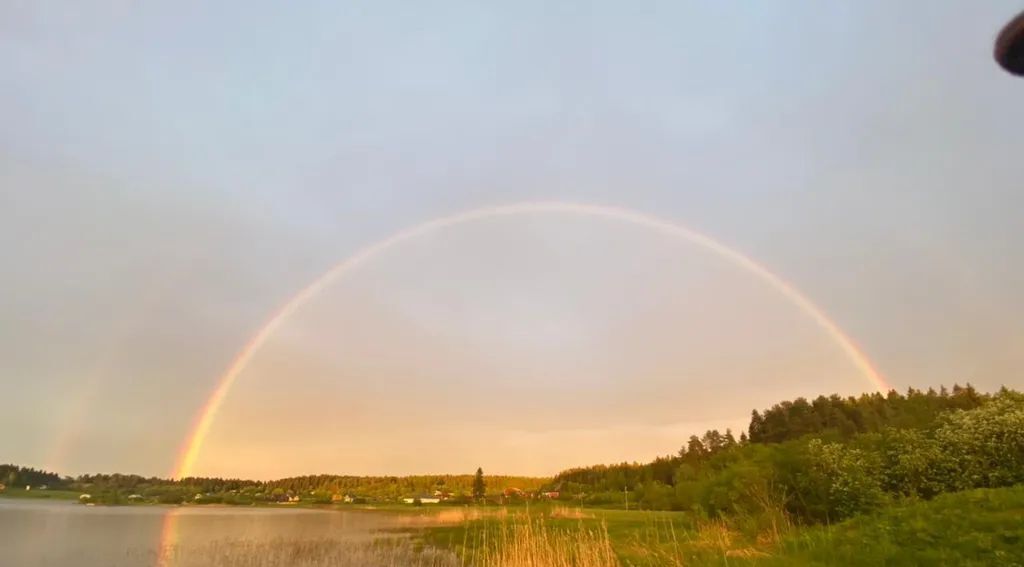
531, 542
516, 542
392, 552
561, 537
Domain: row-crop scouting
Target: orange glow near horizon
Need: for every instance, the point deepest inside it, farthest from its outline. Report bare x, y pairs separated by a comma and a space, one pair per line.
185, 463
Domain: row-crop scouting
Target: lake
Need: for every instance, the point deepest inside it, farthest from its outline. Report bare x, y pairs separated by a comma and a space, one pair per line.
63, 534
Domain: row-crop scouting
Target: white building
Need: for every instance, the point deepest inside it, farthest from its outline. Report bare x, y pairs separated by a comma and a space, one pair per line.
422, 499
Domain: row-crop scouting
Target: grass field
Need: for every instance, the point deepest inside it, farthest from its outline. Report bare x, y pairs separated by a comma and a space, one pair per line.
980, 527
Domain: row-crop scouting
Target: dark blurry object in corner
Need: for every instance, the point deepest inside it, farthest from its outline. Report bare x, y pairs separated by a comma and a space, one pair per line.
1010, 46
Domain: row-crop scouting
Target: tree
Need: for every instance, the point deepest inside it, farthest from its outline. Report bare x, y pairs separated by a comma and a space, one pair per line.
479, 486
756, 427
730, 441
713, 442
694, 449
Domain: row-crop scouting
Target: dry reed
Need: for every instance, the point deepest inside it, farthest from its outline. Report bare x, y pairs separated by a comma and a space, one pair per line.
533, 543
392, 552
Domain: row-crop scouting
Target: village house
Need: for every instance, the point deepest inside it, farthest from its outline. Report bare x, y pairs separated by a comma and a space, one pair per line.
422, 499
348, 499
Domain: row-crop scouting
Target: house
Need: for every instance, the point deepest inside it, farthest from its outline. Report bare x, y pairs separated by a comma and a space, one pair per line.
135, 498
348, 499
422, 499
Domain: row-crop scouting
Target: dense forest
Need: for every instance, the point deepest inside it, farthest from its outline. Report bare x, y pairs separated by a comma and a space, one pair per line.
11, 475
813, 461
826, 459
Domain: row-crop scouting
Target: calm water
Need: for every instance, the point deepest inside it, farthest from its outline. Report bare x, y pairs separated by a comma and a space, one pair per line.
67, 534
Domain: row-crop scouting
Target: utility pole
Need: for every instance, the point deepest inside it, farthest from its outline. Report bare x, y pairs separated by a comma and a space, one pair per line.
625, 495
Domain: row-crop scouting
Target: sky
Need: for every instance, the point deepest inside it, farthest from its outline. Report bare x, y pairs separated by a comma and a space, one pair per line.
171, 173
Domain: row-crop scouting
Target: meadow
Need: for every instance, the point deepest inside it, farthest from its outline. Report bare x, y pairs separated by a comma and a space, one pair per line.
976, 527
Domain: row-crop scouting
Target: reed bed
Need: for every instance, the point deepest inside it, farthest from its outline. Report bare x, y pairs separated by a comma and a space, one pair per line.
559, 537
391, 552
526, 542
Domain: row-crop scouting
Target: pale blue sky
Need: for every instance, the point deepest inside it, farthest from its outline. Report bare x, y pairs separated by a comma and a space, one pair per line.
171, 172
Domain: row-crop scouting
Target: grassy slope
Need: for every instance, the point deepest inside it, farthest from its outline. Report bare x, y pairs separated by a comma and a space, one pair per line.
978, 527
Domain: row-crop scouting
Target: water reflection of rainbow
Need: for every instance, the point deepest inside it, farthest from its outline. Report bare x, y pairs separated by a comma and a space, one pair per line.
197, 435
168, 538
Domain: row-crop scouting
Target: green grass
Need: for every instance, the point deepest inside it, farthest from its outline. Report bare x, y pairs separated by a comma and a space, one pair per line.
979, 527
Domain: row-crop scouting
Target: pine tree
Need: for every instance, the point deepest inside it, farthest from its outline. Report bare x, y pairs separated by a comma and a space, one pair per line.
479, 486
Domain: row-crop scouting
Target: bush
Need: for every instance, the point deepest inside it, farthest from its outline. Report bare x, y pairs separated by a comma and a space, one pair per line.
848, 478
985, 445
171, 498
914, 464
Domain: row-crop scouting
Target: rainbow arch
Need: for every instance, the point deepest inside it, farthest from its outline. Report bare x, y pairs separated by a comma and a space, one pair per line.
190, 450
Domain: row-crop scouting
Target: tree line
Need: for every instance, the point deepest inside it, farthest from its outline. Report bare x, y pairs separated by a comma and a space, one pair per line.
827, 459
15, 476
817, 460
323, 489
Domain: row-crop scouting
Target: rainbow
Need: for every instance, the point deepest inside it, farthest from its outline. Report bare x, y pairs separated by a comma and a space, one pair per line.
193, 444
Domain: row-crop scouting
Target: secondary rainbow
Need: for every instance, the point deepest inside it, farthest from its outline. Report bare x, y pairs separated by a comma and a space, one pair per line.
194, 442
